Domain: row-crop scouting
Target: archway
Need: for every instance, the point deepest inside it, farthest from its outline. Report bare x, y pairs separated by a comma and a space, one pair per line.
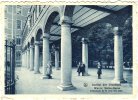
51, 25
38, 42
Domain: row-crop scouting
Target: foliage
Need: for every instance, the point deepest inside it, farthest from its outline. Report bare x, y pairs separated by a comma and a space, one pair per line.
127, 40
101, 42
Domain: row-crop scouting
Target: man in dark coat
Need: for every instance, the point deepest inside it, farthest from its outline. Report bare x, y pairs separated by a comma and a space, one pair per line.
81, 69
78, 68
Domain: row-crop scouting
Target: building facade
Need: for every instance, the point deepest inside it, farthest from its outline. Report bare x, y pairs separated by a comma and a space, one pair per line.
48, 24
15, 17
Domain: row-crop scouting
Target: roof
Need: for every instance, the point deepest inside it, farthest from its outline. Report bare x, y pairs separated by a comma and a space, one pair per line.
84, 15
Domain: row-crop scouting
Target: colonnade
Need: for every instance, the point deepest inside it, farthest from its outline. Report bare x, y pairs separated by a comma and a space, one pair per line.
31, 56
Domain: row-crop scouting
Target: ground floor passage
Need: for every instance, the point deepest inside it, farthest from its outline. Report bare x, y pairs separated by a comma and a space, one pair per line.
30, 83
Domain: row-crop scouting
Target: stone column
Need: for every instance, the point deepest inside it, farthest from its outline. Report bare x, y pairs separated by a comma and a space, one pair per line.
85, 54
36, 58
66, 55
118, 56
46, 57
23, 59
31, 58
28, 58
56, 58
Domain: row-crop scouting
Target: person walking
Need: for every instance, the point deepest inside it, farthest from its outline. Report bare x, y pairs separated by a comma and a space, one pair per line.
81, 69
99, 71
78, 68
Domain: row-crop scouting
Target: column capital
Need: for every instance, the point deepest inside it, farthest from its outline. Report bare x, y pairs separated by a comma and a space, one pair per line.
66, 20
31, 46
118, 31
84, 40
46, 35
37, 43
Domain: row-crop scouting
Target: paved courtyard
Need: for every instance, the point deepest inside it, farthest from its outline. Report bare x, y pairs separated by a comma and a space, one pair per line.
30, 83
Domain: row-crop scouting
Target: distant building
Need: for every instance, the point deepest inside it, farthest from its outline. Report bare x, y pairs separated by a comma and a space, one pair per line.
15, 16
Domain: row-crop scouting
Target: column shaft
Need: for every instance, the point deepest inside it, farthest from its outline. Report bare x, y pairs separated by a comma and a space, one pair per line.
31, 58
46, 57
66, 58
22, 59
57, 59
85, 54
36, 58
28, 58
118, 57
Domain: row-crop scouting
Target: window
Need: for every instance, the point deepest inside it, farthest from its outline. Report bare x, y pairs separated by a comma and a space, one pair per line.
6, 10
9, 8
18, 24
19, 9
6, 22
18, 41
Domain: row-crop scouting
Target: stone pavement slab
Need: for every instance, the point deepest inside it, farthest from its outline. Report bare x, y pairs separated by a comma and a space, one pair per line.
30, 83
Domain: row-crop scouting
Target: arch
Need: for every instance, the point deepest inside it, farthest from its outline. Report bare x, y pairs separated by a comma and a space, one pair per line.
38, 34
32, 41
50, 21
49, 17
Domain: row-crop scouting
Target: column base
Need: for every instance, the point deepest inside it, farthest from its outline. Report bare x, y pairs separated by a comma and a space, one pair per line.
66, 88
38, 72
31, 69
86, 74
57, 68
118, 81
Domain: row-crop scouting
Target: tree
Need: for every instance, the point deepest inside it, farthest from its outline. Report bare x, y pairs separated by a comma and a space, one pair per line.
101, 41
127, 40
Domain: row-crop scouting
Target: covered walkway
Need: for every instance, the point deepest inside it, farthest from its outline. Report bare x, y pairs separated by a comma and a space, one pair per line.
51, 32
30, 83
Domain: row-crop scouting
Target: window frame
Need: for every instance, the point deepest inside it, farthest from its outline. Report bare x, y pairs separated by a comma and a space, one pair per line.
20, 24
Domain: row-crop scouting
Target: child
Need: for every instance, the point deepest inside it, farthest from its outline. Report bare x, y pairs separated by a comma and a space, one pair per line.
99, 71
49, 70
